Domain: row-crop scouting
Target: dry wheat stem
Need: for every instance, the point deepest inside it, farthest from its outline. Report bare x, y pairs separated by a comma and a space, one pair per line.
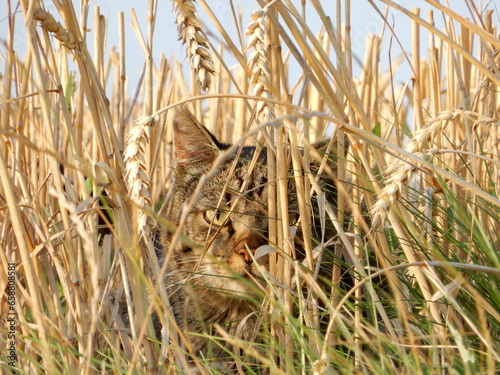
190, 33
467, 23
454, 45
94, 291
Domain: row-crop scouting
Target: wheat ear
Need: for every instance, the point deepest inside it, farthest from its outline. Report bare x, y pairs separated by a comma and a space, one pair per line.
257, 63
48, 23
191, 34
400, 171
136, 172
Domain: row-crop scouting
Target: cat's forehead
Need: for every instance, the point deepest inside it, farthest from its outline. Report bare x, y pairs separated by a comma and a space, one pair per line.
239, 165
235, 181
230, 183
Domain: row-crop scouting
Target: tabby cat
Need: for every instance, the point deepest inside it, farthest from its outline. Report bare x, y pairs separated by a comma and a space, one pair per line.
210, 274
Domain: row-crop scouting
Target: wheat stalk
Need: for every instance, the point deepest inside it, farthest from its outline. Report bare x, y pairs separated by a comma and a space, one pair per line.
191, 34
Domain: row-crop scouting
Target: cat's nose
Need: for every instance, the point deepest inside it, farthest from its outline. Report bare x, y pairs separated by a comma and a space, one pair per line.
246, 255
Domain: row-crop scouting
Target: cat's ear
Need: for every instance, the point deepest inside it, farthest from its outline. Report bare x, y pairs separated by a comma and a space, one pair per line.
195, 148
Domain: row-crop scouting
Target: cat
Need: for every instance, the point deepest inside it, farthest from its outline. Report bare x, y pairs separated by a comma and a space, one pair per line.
210, 275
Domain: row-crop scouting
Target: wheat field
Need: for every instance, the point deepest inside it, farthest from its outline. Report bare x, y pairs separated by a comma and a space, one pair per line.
85, 165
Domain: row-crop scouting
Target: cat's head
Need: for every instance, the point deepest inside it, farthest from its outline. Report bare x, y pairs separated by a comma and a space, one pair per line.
219, 201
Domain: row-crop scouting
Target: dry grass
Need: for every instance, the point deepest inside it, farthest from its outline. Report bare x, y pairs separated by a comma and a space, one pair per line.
84, 168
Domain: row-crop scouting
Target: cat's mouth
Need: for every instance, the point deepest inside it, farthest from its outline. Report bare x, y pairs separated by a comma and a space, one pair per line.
242, 272
255, 260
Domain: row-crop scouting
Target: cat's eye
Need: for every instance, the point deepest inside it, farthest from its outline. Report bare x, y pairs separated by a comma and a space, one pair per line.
217, 217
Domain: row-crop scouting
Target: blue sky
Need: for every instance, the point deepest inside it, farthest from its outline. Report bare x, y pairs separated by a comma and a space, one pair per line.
364, 21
